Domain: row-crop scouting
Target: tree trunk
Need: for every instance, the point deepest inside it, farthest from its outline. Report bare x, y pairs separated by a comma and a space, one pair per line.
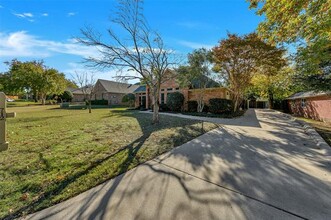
236, 103
35, 96
156, 107
89, 106
271, 99
200, 102
200, 105
43, 99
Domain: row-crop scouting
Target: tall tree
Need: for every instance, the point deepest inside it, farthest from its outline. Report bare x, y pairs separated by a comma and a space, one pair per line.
289, 21
238, 58
197, 74
33, 76
86, 82
313, 67
53, 82
276, 86
139, 51
307, 24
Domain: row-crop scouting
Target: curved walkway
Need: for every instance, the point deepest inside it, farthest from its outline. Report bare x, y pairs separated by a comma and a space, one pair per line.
259, 166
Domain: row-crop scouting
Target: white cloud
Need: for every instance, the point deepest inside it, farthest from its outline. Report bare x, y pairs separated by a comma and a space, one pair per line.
71, 14
21, 44
44, 14
194, 45
23, 15
78, 68
28, 16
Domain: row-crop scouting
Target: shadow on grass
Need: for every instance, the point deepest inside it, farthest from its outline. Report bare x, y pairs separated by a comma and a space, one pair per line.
130, 150
256, 176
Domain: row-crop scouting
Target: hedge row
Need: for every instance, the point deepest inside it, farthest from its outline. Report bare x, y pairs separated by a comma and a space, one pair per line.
175, 103
218, 105
99, 102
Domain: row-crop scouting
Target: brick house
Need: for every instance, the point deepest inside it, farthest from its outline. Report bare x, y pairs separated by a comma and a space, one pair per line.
144, 98
78, 95
111, 91
314, 105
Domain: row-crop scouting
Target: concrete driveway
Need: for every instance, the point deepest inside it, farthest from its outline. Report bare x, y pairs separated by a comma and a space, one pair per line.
260, 166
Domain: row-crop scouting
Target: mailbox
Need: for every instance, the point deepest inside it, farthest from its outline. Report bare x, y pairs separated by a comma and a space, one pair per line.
3, 116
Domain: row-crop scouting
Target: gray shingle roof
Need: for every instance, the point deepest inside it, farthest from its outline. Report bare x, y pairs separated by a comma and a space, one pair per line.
140, 89
301, 95
117, 87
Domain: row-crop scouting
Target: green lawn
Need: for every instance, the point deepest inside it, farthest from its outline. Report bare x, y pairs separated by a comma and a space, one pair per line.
55, 154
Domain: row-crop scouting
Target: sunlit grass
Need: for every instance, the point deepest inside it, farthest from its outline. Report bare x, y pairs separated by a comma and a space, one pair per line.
55, 154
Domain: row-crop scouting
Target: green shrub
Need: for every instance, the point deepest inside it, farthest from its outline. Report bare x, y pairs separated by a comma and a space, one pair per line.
64, 105
175, 101
129, 99
205, 108
217, 105
99, 102
164, 108
67, 96
192, 106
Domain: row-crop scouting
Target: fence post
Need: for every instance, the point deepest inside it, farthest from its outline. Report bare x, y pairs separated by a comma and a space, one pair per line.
3, 116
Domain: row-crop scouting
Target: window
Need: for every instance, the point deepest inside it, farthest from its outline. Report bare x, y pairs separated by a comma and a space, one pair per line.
169, 89
114, 96
177, 88
303, 103
162, 98
162, 90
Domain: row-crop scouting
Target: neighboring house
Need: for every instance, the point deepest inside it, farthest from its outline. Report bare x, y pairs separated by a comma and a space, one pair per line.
144, 98
314, 105
257, 103
78, 94
111, 91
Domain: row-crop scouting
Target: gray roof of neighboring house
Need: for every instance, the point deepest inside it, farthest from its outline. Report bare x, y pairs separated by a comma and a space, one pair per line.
118, 87
301, 95
140, 89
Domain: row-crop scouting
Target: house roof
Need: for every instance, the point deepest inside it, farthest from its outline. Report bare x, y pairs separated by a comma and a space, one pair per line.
140, 89
210, 83
118, 87
301, 95
79, 91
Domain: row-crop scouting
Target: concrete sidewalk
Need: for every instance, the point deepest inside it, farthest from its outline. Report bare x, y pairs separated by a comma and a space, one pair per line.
264, 167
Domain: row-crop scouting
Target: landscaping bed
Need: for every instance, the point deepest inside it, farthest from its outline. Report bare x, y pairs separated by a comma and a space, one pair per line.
55, 154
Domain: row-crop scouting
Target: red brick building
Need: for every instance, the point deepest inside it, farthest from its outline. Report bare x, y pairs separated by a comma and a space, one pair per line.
314, 105
144, 98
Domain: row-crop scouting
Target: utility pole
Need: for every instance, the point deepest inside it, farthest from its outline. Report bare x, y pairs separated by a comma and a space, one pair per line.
3, 116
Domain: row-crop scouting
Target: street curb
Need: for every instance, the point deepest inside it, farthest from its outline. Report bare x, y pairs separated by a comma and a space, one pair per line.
320, 142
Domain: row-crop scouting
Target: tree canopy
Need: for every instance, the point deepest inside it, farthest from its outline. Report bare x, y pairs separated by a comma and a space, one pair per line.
307, 24
139, 54
197, 74
238, 58
34, 77
288, 21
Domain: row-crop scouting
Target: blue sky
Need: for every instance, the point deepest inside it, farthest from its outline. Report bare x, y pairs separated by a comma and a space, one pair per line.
35, 29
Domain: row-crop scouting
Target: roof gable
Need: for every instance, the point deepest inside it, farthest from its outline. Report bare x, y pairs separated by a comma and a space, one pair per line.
117, 87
